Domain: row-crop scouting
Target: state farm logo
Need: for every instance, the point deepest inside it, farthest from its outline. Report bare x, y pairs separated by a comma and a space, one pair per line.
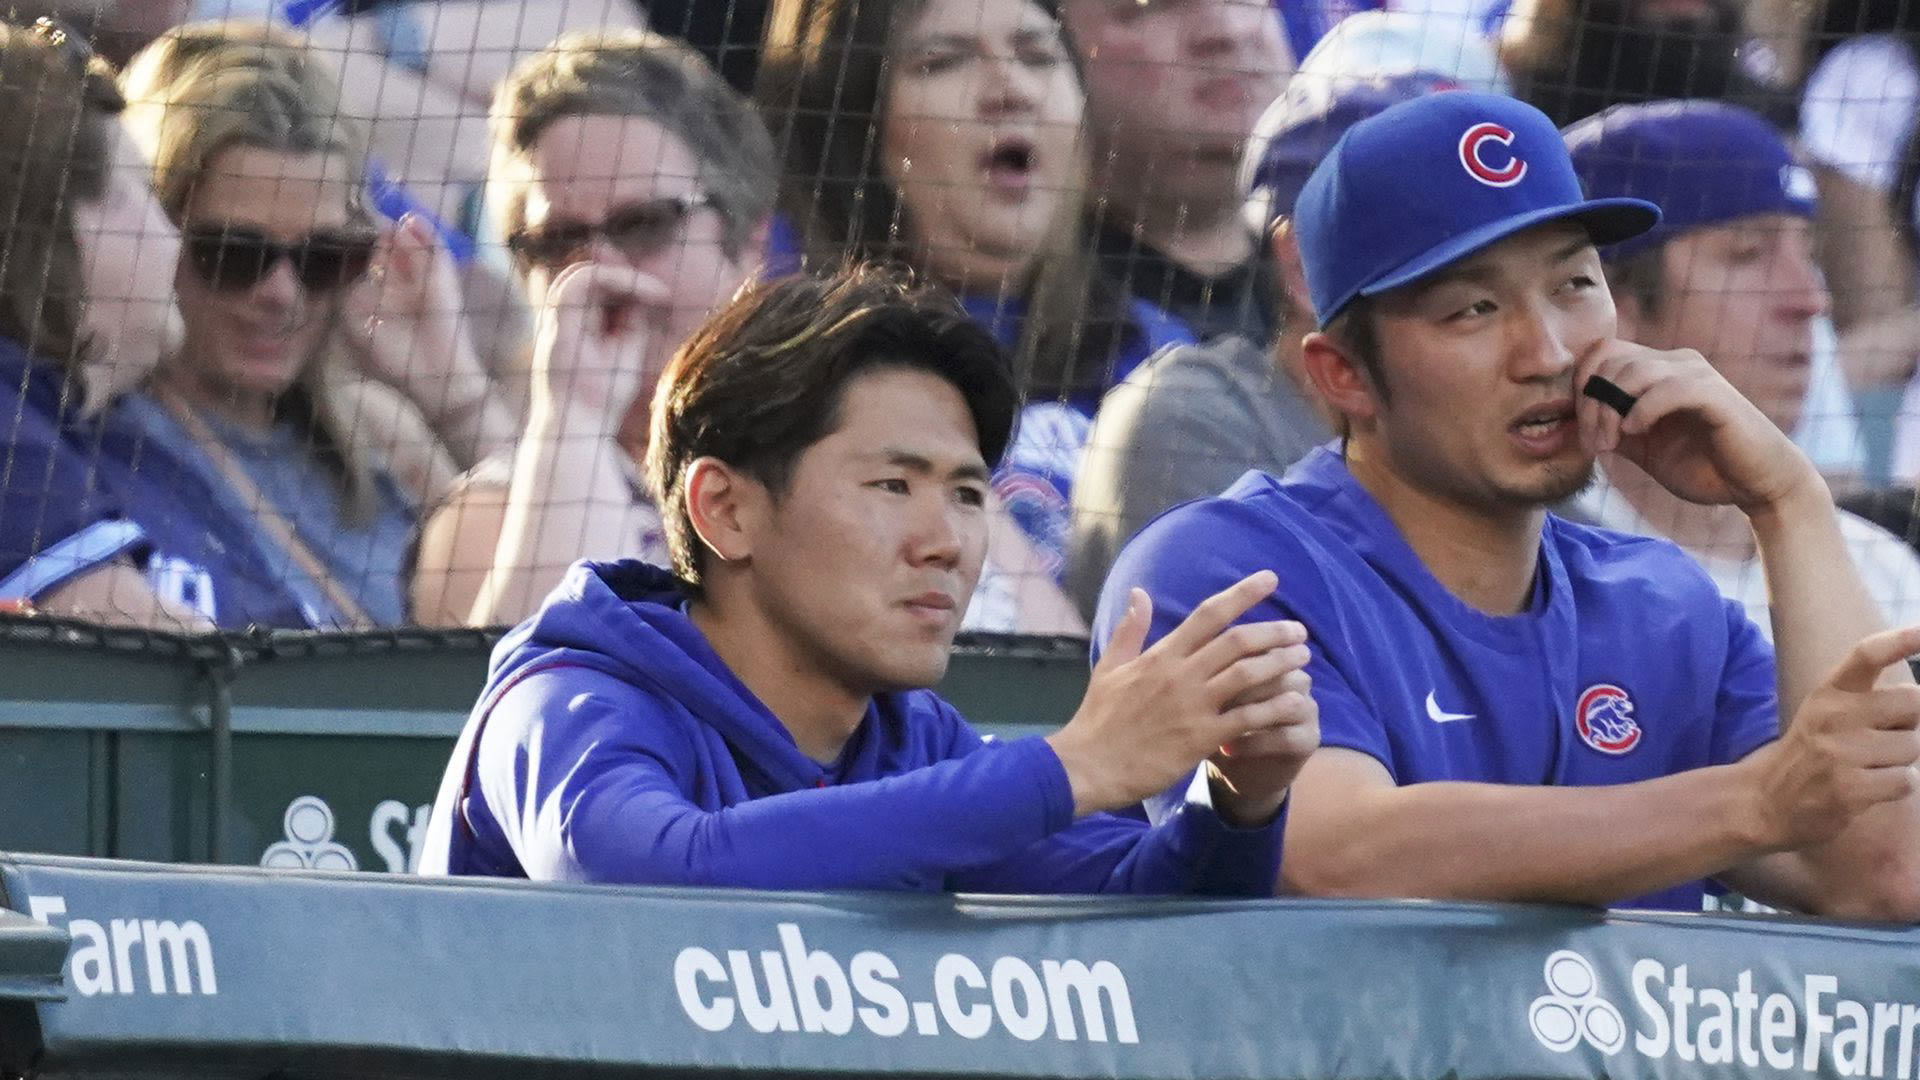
1572, 1010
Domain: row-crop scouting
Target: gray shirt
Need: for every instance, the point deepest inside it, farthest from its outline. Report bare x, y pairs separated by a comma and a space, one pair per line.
1184, 425
367, 559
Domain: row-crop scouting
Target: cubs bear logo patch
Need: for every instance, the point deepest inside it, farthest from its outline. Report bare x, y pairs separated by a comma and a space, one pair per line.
1604, 719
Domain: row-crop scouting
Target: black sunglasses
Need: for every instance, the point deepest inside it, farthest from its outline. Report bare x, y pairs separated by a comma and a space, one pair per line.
638, 231
234, 259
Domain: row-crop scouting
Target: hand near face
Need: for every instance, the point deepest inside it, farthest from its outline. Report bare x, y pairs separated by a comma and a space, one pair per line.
406, 313
1234, 696
597, 340
1688, 428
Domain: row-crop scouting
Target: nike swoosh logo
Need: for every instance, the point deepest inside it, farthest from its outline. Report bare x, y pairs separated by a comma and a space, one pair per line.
1440, 716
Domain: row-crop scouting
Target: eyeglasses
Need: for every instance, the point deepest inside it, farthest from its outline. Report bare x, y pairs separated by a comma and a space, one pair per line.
234, 259
636, 231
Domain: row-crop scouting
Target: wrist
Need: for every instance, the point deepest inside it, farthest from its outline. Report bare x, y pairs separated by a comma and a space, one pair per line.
1242, 810
1807, 496
1080, 781
1748, 808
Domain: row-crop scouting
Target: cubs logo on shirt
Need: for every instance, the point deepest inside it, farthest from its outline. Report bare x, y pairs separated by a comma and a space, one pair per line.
1604, 719
1479, 160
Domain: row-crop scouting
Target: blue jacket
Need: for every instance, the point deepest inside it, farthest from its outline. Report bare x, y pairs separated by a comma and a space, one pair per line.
77, 492
612, 745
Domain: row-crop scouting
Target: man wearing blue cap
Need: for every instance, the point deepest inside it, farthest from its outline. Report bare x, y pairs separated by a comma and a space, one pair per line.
1513, 706
1729, 272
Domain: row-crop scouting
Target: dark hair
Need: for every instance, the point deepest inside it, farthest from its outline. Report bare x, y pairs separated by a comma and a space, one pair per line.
822, 88
55, 108
1641, 275
1358, 328
763, 380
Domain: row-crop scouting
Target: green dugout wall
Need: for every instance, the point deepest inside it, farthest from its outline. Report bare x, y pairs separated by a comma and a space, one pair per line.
303, 750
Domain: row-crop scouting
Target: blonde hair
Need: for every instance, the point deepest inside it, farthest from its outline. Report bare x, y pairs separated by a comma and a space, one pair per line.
204, 88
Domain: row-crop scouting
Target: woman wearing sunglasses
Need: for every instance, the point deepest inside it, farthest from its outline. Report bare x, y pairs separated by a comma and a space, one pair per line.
96, 522
265, 179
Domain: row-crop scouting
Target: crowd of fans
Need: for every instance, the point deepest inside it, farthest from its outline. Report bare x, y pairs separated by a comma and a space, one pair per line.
418, 334
351, 315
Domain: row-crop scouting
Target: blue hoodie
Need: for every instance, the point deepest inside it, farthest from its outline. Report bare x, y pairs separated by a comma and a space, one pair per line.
613, 745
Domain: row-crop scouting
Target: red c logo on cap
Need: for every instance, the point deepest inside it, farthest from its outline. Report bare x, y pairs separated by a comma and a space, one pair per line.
1478, 136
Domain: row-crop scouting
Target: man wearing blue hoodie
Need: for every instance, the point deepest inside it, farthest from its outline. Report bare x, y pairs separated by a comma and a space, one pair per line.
759, 716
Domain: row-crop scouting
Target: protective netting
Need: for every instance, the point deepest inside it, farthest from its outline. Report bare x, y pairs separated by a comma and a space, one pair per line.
301, 338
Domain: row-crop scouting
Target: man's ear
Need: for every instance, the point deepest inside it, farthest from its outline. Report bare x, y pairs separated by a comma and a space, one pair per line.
1286, 258
1338, 377
726, 508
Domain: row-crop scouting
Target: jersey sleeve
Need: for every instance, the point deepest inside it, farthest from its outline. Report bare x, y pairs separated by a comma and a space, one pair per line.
582, 792
55, 521
1748, 712
1198, 549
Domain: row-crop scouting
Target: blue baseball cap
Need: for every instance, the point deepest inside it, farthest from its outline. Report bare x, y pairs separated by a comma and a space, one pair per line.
1299, 129
1431, 181
1705, 163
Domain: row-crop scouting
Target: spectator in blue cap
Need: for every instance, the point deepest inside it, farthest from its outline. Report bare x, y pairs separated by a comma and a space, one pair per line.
1189, 422
1513, 706
1728, 272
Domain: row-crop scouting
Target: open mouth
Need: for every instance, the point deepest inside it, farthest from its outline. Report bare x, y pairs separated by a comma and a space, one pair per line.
1544, 423
1009, 164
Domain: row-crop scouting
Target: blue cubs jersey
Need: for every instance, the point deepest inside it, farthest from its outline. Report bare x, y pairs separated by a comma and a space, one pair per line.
1627, 666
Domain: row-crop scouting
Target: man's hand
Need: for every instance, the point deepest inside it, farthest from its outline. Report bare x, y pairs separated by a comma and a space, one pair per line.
1689, 429
1150, 717
1852, 746
597, 347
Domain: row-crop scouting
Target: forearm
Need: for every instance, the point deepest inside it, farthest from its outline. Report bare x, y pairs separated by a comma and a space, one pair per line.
1820, 606
1193, 851
568, 500
1868, 268
1470, 841
468, 414
1821, 609
909, 831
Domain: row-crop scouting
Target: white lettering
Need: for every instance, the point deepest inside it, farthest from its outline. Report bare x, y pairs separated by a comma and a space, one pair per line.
1011, 973
693, 964
102, 957
1745, 1001
126, 934
776, 1012
1778, 1021
801, 989
1850, 1044
1645, 976
389, 813
872, 979
179, 940
1715, 1038
810, 971
1073, 980
1819, 1024
1886, 1017
1909, 1019
1680, 995
948, 973
92, 958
